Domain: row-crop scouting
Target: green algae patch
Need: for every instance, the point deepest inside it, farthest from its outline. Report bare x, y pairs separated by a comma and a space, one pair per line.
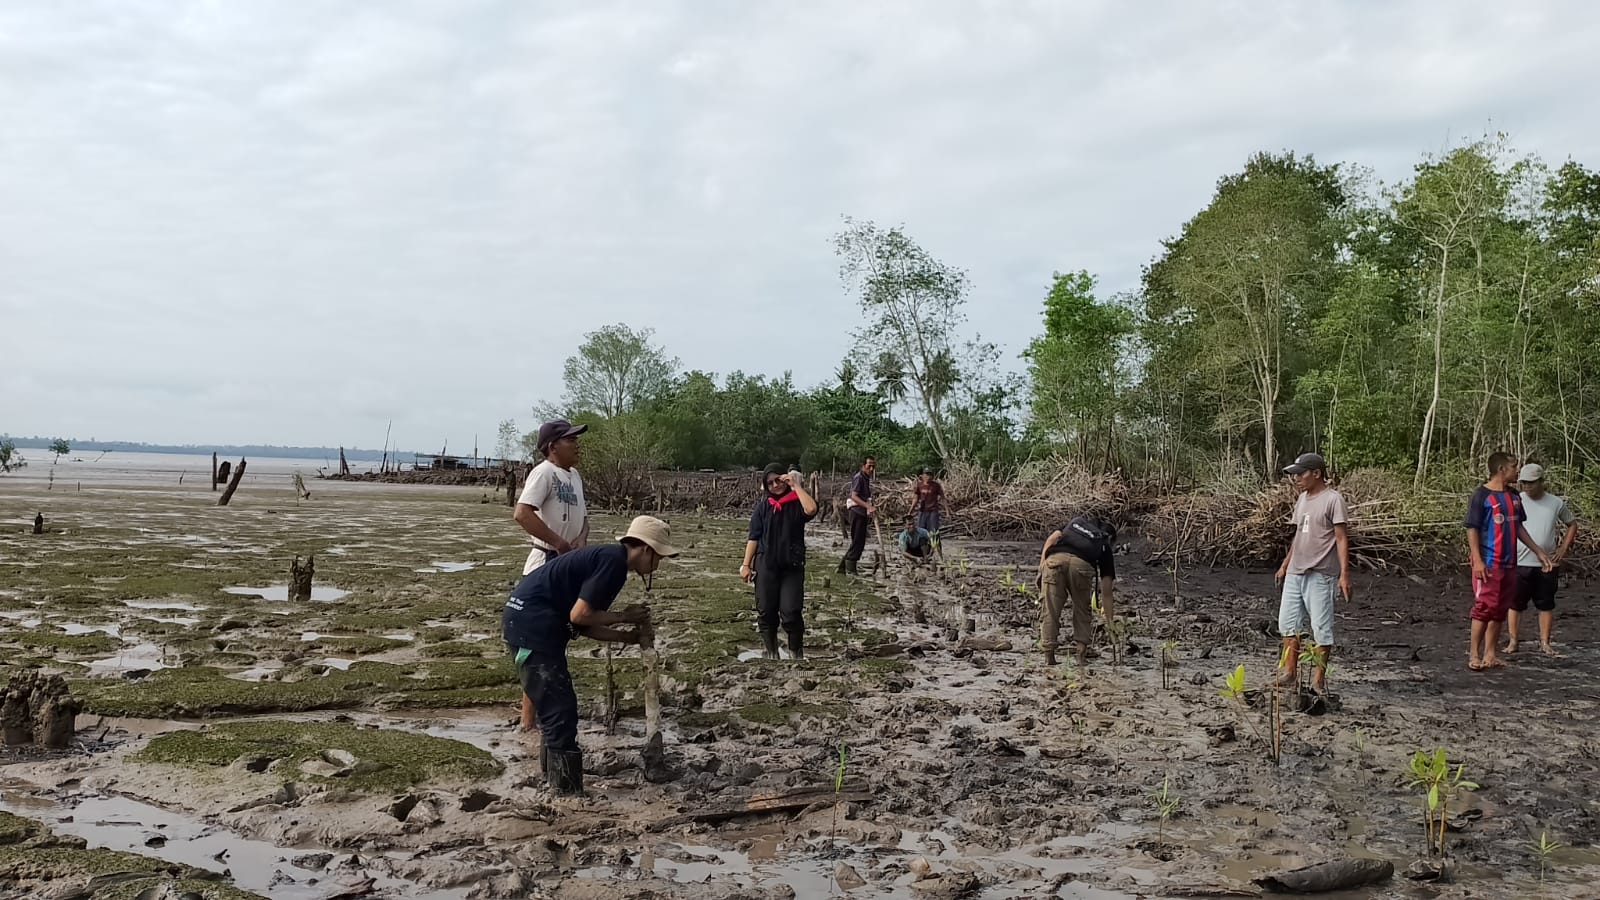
462, 649
48, 638
782, 713
386, 759
360, 645
16, 829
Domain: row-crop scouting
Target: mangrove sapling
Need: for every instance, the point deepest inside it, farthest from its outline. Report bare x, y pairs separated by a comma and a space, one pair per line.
1166, 801
1544, 849
1432, 773
838, 785
1234, 689
1169, 661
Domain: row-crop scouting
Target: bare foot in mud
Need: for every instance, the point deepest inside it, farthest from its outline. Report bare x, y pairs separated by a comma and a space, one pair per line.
1493, 662
1549, 650
1510, 648
1475, 664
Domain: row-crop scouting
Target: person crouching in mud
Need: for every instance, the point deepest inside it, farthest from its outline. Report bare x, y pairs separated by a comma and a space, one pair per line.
568, 596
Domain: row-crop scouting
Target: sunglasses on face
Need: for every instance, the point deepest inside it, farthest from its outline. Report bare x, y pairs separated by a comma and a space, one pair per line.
773, 482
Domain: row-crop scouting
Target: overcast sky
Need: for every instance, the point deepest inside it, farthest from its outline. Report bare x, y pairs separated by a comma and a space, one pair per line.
291, 222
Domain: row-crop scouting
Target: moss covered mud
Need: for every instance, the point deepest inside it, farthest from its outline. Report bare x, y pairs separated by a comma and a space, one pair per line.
372, 736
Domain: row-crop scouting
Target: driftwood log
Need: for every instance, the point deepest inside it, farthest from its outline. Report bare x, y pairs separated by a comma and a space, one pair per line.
38, 709
1337, 875
300, 578
233, 483
38, 523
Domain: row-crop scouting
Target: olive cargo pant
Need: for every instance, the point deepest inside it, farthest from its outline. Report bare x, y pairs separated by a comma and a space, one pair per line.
1066, 576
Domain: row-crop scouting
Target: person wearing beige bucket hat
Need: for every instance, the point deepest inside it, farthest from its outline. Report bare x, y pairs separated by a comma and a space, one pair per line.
567, 597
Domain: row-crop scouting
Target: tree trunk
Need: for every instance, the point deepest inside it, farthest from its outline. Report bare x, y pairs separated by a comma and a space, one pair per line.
300, 578
233, 483
1438, 375
38, 709
344, 466
213, 470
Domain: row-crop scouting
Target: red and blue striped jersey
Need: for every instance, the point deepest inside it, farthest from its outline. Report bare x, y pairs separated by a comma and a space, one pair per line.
1496, 515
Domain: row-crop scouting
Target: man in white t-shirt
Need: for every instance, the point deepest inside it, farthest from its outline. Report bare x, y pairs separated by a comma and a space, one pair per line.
551, 509
1553, 527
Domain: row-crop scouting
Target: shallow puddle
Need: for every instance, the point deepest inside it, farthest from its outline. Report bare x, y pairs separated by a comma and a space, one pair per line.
119, 823
139, 656
161, 604
80, 628
281, 592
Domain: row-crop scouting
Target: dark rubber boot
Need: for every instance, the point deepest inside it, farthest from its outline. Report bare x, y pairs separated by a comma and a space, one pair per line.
843, 563
544, 763
797, 647
769, 643
852, 566
566, 771
1049, 657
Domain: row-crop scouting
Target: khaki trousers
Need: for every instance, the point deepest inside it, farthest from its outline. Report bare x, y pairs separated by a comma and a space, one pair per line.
1065, 576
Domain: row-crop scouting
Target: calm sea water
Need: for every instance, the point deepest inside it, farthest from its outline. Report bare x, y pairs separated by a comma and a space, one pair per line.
126, 467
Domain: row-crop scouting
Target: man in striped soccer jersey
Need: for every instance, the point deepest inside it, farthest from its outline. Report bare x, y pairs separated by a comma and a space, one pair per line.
1494, 527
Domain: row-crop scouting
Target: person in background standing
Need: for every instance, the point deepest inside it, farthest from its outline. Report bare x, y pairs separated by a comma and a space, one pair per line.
1547, 515
861, 511
551, 508
778, 533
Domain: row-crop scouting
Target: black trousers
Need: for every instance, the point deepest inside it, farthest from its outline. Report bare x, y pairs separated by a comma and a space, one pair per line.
546, 681
859, 523
779, 598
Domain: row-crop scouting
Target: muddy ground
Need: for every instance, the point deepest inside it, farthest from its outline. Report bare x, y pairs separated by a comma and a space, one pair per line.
233, 744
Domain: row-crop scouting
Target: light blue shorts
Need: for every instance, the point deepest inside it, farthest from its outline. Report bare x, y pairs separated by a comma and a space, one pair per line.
1308, 596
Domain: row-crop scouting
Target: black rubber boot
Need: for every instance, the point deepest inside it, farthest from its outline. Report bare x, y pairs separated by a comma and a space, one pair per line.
797, 648
566, 771
769, 643
544, 763
843, 564
852, 566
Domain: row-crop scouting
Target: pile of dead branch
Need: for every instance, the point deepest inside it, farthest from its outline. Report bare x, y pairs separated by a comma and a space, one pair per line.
1038, 498
1391, 525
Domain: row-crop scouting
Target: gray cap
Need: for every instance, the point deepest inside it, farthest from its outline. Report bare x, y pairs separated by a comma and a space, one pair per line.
1305, 462
1531, 472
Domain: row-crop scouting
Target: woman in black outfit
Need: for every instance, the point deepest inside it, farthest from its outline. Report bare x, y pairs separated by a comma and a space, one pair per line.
778, 533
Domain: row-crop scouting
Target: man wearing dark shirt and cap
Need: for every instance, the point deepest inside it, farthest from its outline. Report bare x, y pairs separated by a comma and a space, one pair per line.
1072, 557
568, 596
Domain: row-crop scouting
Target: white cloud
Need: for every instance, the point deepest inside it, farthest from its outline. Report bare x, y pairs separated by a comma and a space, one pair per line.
250, 221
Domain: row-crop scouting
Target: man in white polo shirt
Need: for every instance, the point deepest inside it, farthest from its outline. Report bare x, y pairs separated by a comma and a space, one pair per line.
1552, 526
551, 509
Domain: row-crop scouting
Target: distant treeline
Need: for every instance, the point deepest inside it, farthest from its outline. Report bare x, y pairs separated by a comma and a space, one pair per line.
329, 453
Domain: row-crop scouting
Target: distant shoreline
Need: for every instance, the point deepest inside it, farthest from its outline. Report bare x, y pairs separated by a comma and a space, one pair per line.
351, 454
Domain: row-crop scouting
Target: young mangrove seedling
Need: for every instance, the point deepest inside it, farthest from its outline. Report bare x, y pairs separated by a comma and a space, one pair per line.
1166, 801
1544, 848
1234, 689
1169, 660
1432, 773
838, 785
